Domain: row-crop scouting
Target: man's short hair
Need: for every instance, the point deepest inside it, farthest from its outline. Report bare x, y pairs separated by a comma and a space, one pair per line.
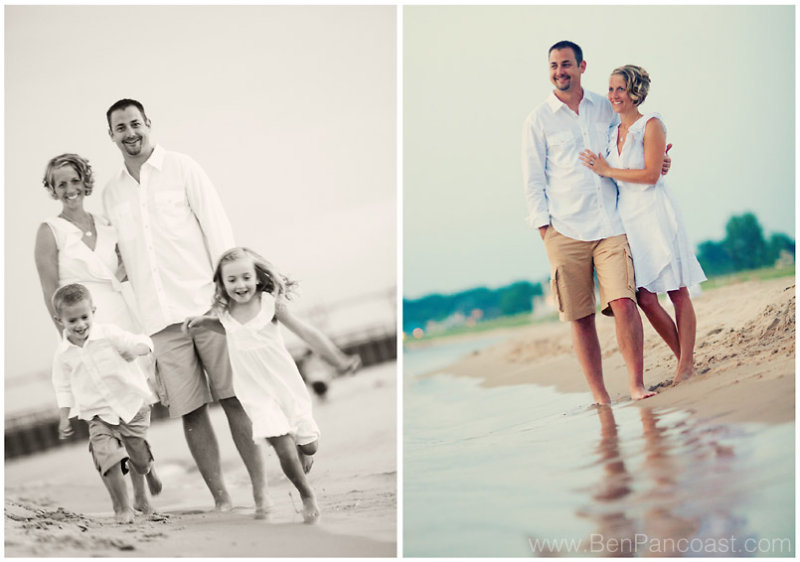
568, 45
69, 295
122, 104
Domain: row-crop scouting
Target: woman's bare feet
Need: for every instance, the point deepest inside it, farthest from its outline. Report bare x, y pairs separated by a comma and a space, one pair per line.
683, 374
124, 516
310, 510
640, 393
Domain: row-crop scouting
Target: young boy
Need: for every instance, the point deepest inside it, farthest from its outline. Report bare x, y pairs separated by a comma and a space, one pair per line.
96, 378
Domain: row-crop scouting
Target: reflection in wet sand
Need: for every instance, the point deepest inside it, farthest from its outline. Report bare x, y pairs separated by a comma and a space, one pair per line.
650, 500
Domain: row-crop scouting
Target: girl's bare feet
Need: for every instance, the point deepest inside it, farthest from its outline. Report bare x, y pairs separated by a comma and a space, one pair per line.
310, 510
143, 504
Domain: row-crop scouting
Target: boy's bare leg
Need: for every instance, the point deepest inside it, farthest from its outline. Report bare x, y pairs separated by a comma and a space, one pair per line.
286, 450
117, 488
687, 330
205, 451
630, 338
251, 452
587, 349
140, 500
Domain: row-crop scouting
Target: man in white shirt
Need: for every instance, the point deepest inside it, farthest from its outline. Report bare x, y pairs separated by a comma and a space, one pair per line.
172, 229
575, 211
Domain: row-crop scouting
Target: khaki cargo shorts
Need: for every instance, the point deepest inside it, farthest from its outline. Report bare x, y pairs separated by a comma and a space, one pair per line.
572, 265
192, 370
112, 444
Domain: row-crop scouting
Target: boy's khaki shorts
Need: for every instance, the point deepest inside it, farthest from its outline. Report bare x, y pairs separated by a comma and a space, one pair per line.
572, 264
182, 363
111, 444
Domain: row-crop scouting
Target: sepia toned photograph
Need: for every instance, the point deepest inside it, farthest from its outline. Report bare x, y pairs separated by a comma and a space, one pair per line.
201, 281
598, 281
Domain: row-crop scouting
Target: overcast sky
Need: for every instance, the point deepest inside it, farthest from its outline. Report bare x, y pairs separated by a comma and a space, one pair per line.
290, 110
723, 78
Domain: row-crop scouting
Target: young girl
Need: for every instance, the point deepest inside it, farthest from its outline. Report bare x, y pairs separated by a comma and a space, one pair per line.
250, 300
663, 259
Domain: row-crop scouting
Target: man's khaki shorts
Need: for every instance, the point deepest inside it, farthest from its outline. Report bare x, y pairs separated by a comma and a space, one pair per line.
112, 444
182, 363
572, 265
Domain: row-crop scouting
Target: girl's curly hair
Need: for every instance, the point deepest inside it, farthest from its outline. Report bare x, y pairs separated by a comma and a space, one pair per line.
268, 278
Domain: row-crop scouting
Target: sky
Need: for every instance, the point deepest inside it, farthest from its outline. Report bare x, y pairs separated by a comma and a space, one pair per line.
290, 110
722, 77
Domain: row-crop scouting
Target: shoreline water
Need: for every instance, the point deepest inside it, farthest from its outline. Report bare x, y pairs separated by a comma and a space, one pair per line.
509, 428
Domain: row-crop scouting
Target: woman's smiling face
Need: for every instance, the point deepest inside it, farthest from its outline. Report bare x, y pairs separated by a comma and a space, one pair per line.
618, 94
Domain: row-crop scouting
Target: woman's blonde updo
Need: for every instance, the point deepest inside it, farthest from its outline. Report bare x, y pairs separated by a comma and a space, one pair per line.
637, 81
78, 163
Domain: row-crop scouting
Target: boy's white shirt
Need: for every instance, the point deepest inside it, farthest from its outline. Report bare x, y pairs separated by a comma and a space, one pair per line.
95, 380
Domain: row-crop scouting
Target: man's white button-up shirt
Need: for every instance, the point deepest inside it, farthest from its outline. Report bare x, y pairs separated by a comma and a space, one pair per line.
558, 188
94, 380
172, 230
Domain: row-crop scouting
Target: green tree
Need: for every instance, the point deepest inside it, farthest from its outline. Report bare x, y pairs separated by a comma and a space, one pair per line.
744, 242
779, 242
714, 258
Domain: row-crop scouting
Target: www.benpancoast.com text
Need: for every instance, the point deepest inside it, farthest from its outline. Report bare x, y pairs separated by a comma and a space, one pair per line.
641, 543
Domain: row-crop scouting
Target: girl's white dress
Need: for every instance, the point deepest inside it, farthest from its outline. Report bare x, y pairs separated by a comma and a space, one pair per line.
266, 379
663, 258
95, 269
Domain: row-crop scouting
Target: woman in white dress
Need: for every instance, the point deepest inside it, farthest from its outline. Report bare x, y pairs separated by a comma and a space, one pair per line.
78, 247
663, 259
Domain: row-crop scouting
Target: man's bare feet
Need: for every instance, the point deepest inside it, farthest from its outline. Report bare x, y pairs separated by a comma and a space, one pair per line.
264, 509
310, 511
641, 393
306, 461
153, 481
124, 516
143, 504
601, 399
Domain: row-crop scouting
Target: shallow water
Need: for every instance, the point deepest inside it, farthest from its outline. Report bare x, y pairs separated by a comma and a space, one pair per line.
526, 471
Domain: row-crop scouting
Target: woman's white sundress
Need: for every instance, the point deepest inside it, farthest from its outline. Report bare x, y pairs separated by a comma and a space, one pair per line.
663, 258
95, 269
266, 379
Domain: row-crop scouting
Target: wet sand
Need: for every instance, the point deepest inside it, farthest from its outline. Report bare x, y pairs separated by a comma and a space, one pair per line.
56, 506
744, 357
705, 468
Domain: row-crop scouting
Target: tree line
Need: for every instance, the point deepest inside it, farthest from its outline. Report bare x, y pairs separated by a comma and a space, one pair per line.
744, 247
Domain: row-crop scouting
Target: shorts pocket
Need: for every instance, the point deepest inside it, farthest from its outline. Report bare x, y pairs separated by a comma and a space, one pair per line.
555, 282
630, 275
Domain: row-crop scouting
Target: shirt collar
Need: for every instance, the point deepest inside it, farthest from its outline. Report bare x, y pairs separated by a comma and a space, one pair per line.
156, 159
555, 104
65, 344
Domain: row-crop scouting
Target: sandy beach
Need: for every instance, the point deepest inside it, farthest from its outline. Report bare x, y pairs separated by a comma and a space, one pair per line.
56, 506
744, 357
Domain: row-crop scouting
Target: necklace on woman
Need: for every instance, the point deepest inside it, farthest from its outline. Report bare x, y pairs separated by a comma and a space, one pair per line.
84, 230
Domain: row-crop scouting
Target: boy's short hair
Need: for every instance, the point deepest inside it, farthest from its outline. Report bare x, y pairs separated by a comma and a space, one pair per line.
124, 104
568, 45
69, 295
